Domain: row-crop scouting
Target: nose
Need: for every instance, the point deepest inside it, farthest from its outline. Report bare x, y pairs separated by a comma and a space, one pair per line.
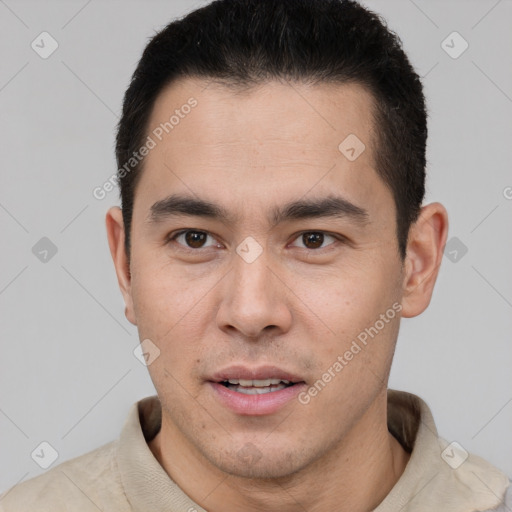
254, 300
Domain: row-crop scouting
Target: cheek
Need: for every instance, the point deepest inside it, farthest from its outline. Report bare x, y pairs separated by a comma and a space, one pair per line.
165, 297
171, 312
353, 343
349, 296
343, 306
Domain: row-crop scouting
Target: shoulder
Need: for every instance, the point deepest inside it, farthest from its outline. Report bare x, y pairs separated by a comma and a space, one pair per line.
90, 482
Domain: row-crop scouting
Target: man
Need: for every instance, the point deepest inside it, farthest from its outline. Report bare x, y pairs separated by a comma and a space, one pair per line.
271, 163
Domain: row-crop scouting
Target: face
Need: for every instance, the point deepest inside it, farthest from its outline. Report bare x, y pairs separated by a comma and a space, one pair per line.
250, 286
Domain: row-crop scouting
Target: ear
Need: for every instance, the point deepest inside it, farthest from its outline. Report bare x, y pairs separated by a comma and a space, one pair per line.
425, 246
116, 235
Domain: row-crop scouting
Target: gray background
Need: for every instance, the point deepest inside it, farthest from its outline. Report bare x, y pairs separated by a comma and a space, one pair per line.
67, 370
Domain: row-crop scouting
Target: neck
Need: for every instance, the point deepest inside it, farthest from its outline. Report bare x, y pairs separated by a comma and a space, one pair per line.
354, 476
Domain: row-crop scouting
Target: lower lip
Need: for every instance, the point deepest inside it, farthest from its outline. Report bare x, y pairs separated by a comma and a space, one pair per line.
256, 405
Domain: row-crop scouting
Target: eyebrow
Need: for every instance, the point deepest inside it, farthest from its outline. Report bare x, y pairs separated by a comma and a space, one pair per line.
177, 205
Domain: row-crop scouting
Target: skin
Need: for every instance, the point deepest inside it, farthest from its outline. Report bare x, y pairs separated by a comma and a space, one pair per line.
295, 307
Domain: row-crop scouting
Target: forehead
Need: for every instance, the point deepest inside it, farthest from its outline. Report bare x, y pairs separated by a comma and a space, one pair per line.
314, 117
273, 140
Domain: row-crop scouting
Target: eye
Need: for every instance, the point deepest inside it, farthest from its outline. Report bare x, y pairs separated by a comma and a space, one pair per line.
191, 238
314, 239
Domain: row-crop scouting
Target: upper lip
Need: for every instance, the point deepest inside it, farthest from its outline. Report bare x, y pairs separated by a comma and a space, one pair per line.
257, 373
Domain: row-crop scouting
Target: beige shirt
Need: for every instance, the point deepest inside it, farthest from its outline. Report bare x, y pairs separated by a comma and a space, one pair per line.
123, 475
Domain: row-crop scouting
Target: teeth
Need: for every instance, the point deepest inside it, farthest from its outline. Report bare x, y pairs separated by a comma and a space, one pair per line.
256, 390
258, 383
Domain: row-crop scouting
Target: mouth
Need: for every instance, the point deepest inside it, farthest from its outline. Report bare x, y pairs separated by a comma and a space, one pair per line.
255, 391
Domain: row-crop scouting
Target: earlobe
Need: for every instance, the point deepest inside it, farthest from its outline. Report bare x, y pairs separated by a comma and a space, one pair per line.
116, 235
425, 246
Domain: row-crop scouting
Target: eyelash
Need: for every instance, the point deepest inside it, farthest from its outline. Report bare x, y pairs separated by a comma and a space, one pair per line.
173, 236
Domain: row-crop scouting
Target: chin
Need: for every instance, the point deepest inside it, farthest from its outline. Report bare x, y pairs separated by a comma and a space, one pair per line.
251, 462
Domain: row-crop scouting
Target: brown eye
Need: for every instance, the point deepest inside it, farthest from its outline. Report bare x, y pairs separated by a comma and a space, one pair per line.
314, 240
192, 239
195, 239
